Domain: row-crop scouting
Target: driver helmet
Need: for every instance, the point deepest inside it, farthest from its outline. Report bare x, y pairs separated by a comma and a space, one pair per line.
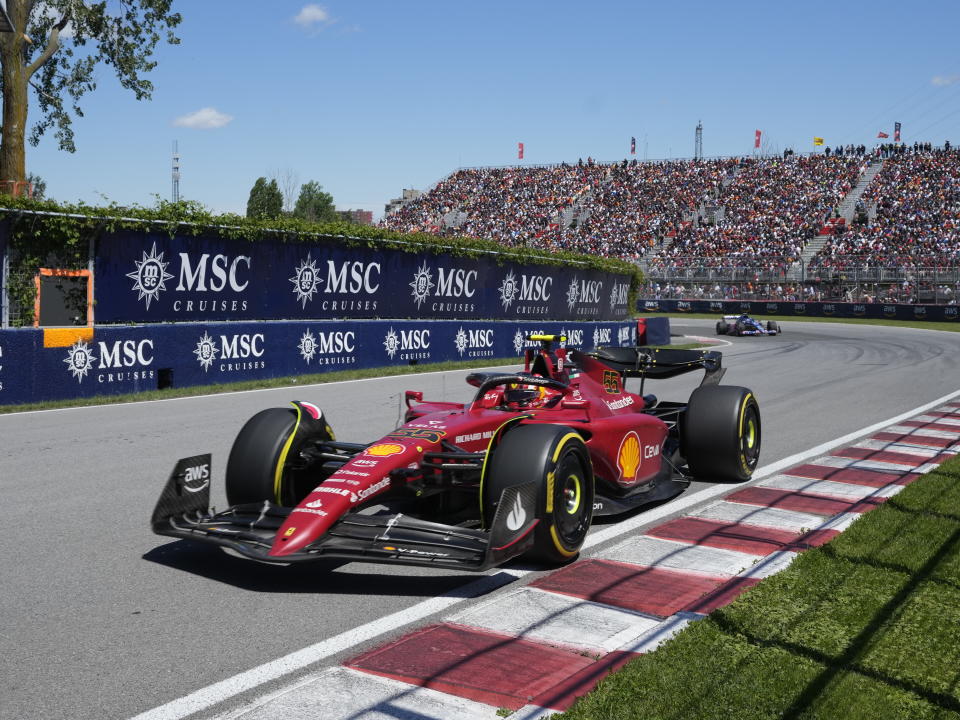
524, 396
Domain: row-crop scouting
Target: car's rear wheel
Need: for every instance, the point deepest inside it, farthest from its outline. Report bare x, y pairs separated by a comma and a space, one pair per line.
259, 467
558, 459
722, 433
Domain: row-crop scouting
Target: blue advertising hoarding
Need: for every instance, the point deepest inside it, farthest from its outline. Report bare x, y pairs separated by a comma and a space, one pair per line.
152, 277
130, 359
889, 311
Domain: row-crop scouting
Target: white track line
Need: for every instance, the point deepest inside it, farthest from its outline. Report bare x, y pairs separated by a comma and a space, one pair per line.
231, 687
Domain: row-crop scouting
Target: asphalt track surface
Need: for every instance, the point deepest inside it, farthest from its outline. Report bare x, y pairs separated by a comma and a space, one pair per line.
103, 619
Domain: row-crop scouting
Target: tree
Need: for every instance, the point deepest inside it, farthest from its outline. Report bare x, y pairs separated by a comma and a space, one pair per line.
56, 47
314, 204
265, 201
287, 181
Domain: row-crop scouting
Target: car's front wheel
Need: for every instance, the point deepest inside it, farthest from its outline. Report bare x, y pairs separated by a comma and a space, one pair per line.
721, 433
558, 459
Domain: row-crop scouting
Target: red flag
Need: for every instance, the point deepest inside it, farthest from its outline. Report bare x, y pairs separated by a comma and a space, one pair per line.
882, 134
633, 146
756, 139
896, 132
519, 151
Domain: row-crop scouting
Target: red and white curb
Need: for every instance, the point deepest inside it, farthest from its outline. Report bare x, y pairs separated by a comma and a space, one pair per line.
537, 648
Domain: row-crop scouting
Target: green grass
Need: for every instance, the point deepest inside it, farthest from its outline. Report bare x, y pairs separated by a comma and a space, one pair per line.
867, 626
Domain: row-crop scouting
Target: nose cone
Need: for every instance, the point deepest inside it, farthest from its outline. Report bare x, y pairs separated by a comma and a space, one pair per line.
308, 522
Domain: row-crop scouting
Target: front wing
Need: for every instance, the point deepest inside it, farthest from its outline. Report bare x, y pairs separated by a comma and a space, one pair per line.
249, 530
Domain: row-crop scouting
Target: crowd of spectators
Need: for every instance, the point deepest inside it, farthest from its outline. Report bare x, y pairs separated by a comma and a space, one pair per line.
734, 227
916, 205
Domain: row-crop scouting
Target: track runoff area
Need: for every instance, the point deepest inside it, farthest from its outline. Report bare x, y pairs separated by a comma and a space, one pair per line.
530, 643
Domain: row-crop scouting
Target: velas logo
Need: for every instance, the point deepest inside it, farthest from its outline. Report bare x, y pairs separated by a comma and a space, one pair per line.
475, 343
332, 348
411, 344
618, 294
384, 450
150, 276
80, 360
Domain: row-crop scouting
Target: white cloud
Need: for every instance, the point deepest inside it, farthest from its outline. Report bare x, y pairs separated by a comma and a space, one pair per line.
942, 80
204, 119
312, 15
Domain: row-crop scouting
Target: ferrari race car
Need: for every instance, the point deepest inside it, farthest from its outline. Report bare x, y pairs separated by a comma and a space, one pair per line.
746, 325
521, 469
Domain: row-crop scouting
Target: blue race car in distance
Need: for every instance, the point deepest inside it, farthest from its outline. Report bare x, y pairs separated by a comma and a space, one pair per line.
746, 325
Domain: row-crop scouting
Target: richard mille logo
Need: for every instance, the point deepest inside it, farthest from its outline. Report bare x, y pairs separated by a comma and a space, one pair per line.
206, 351
150, 277
306, 280
508, 290
422, 284
80, 360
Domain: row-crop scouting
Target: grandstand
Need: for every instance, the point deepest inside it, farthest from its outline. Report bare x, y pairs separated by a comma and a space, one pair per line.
858, 225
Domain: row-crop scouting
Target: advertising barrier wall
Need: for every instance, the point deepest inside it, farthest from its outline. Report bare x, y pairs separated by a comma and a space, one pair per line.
50, 364
152, 277
942, 313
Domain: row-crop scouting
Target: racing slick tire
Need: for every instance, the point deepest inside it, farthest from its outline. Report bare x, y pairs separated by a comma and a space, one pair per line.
262, 446
722, 328
721, 433
773, 326
557, 457
738, 328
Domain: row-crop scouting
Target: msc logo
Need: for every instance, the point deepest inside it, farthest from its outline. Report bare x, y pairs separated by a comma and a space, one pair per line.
602, 336
618, 294
223, 272
232, 347
196, 478
583, 291
529, 288
326, 343
352, 277
417, 339
150, 276
125, 354
451, 283
574, 337
80, 360
625, 336
480, 341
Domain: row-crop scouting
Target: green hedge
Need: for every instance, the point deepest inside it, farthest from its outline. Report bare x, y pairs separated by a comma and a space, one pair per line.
42, 232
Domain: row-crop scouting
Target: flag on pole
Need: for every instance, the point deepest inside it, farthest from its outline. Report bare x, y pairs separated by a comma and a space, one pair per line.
756, 139
882, 134
633, 146
818, 141
896, 132
519, 151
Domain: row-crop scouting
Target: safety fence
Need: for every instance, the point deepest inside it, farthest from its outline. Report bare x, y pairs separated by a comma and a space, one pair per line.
38, 365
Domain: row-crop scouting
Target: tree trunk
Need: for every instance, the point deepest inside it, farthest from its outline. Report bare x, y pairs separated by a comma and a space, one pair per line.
12, 161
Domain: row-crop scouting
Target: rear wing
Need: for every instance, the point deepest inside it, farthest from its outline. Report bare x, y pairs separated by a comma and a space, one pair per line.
654, 363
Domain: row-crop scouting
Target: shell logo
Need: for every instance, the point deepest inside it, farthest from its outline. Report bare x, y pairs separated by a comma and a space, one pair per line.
384, 450
628, 457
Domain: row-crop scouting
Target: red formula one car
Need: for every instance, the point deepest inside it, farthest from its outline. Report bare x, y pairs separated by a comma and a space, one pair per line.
522, 468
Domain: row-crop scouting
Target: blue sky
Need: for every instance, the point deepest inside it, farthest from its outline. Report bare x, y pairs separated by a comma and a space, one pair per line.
372, 96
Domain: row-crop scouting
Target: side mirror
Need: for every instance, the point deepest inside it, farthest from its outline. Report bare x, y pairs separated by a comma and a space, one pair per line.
413, 396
